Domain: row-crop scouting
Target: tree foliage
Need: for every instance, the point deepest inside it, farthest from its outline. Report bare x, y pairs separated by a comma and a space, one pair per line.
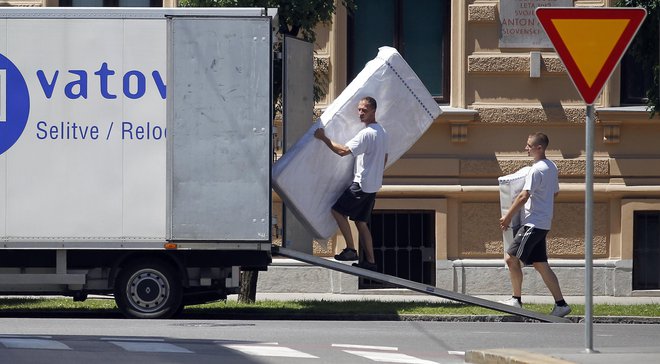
644, 49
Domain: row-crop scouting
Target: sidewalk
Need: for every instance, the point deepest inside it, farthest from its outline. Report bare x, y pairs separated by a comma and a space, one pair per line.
563, 356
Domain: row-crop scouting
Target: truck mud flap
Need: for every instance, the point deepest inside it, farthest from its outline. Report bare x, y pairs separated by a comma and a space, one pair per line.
415, 286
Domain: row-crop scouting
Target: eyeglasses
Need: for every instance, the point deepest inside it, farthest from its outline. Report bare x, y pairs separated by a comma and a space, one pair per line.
532, 146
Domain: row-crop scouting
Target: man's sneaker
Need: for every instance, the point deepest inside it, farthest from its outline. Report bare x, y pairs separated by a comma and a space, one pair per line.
366, 265
511, 302
347, 254
561, 311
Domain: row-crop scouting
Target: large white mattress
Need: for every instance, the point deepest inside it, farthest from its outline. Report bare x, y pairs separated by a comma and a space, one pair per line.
510, 187
309, 177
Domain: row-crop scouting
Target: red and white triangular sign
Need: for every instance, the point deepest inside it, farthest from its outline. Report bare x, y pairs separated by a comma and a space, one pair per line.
590, 42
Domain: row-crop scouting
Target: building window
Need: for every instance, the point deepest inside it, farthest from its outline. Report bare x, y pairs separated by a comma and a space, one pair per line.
635, 80
418, 29
112, 3
404, 246
646, 250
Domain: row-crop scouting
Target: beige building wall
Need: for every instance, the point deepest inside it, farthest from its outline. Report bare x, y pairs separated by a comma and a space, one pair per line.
494, 105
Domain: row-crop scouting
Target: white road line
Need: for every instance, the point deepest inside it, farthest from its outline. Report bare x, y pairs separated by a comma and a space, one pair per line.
17, 343
389, 357
368, 347
265, 350
150, 347
459, 353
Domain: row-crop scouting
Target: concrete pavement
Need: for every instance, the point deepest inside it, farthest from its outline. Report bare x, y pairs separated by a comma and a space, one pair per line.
612, 355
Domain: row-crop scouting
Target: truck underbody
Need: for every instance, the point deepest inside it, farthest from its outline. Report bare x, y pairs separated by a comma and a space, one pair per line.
146, 283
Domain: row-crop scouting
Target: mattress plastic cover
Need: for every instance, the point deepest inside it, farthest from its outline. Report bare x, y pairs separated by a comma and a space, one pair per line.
510, 187
309, 177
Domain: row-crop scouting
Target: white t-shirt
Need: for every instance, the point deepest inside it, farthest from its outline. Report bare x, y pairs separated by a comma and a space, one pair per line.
542, 182
369, 147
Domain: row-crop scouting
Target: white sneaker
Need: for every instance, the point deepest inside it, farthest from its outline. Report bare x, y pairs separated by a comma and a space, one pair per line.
511, 302
561, 311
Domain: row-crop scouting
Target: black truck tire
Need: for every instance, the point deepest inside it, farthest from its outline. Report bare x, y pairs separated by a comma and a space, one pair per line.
150, 290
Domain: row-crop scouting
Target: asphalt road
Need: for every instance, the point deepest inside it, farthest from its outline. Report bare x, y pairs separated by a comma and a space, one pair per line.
56, 340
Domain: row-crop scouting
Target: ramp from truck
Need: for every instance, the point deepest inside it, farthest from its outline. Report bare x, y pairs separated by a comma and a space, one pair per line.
415, 286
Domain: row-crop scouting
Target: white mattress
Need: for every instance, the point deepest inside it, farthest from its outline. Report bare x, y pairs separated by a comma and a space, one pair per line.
510, 187
309, 177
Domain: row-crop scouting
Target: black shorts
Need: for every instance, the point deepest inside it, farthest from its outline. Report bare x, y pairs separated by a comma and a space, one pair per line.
529, 245
355, 203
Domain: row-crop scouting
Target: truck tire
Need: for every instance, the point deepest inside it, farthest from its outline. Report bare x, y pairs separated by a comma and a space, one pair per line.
149, 290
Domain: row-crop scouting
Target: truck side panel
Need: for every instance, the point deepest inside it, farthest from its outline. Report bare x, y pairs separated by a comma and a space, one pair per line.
90, 163
219, 118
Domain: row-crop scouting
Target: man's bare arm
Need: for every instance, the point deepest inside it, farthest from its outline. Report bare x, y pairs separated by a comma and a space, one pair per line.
337, 148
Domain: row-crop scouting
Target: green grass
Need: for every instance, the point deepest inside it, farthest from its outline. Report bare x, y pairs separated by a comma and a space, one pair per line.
313, 307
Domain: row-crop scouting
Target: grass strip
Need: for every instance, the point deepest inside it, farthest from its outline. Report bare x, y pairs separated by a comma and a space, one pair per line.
272, 307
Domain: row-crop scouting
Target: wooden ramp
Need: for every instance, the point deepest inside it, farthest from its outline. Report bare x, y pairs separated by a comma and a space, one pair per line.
415, 286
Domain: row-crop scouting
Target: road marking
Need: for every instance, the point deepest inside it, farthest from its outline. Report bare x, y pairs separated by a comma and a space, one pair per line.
389, 357
269, 350
150, 347
459, 353
368, 347
17, 343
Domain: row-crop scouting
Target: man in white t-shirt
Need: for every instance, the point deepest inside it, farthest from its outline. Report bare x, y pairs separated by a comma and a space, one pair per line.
529, 246
369, 147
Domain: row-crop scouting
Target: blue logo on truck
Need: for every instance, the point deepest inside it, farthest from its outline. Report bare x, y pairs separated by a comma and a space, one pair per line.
14, 104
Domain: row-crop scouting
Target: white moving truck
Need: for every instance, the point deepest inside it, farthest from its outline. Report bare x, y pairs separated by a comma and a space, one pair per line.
135, 153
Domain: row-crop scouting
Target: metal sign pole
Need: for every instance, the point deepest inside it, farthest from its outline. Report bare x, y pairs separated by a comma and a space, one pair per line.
588, 230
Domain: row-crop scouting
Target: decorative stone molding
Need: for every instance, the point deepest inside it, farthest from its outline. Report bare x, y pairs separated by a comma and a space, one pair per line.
482, 13
459, 131
576, 167
512, 64
611, 133
498, 64
613, 119
530, 114
552, 64
458, 120
502, 167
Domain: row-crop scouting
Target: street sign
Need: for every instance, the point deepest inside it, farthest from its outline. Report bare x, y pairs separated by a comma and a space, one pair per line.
590, 42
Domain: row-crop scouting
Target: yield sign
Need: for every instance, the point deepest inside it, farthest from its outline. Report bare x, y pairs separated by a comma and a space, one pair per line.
590, 42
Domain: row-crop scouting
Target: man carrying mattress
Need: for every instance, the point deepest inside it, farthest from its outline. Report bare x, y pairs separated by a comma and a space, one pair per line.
369, 147
529, 245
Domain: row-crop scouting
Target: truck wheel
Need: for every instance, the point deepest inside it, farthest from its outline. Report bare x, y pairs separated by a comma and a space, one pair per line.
148, 290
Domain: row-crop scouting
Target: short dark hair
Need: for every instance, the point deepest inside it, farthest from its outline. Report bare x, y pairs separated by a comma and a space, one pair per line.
370, 101
540, 139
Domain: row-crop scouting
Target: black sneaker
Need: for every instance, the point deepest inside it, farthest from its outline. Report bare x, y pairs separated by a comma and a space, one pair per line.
366, 265
347, 254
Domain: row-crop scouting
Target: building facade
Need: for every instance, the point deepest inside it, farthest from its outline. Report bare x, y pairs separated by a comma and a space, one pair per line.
493, 94
496, 81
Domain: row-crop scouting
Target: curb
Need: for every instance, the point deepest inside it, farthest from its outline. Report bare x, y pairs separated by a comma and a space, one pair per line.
510, 356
